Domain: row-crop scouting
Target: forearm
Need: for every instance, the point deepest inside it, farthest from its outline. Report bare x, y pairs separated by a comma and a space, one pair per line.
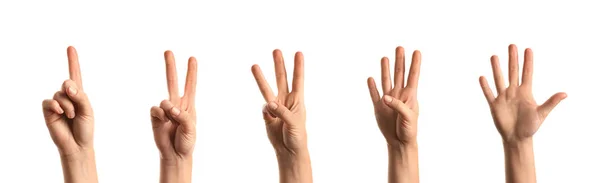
176, 171
80, 167
403, 165
295, 167
519, 160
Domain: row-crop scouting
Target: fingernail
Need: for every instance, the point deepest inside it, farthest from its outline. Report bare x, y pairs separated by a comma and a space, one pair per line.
273, 105
72, 91
387, 99
60, 111
71, 115
175, 111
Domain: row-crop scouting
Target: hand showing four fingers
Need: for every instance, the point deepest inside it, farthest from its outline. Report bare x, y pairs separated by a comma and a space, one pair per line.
397, 112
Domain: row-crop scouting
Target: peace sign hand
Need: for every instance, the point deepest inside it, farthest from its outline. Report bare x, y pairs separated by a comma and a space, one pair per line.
516, 114
69, 116
174, 122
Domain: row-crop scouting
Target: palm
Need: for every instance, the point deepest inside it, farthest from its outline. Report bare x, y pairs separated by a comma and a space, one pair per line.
397, 122
517, 115
285, 124
515, 112
281, 134
391, 123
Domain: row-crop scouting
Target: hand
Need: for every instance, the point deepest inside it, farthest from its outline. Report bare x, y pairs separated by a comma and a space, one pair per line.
398, 111
69, 116
284, 114
174, 122
516, 114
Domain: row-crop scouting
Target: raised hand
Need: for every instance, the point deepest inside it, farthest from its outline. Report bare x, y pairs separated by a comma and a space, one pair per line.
174, 124
516, 114
70, 120
397, 112
285, 119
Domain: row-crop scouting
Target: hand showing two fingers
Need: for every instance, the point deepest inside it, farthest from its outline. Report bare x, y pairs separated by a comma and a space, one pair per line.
516, 114
284, 114
398, 110
174, 122
69, 116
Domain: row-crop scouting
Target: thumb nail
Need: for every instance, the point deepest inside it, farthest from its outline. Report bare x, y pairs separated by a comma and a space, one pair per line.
272, 105
387, 99
175, 111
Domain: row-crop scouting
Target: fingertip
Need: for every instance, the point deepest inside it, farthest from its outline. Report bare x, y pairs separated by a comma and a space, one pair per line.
276, 51
417, 53
399, 49
175, 111
272, 106
70, 48
562, 95
165, 103
255, 68
299, 56
370, 80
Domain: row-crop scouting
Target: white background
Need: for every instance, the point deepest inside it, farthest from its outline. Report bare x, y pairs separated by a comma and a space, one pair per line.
121, 53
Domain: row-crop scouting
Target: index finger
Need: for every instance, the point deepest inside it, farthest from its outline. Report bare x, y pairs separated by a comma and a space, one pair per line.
263, 86
298, 81
172, 84
74, 71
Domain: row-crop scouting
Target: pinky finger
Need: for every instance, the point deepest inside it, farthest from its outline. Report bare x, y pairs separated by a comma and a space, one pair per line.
489, 96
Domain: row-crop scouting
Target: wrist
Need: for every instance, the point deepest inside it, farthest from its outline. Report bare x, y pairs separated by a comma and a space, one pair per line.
176, 170
517, 144
81, 155
294, 166
400, 146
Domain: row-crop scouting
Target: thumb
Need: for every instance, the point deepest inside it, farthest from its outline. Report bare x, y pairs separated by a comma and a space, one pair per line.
179, 116
280, 111
397, 105
547, 106
80, 99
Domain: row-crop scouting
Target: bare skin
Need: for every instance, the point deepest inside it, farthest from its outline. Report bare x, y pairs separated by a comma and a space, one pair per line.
285, 119
516, 114
397, 114
70, 121
174, 125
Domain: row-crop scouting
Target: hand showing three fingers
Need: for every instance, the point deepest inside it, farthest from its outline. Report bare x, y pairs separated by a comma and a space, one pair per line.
285, 119
516, 114
284, 114
398, 110
174, 124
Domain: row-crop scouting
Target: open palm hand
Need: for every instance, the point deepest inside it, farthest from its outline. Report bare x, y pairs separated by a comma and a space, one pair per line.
515, 112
